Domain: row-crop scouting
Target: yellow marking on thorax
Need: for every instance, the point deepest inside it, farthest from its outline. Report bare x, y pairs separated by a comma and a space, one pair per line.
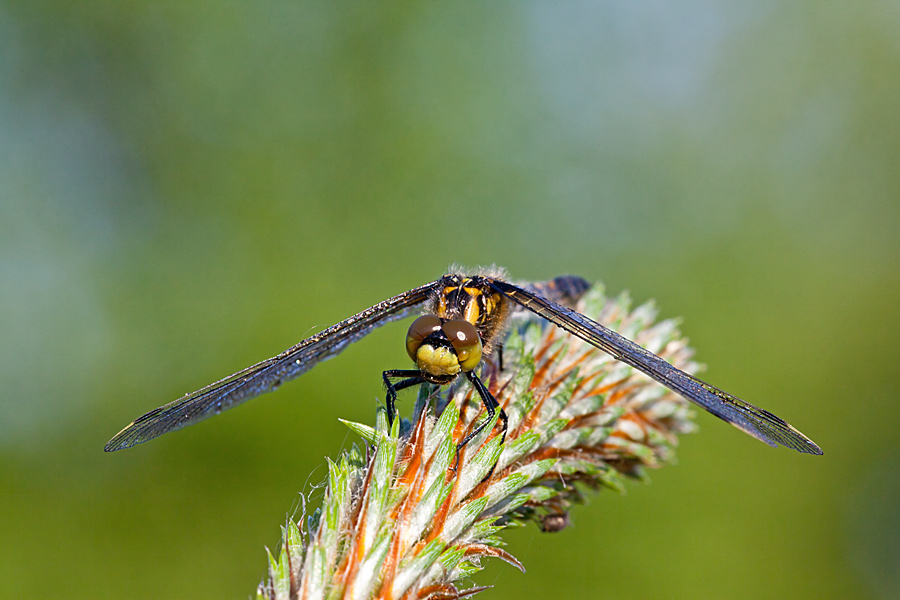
473, 312
480, 308
443, 306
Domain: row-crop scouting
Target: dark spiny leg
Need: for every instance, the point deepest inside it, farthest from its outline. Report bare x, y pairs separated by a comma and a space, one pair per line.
490, 405
412, 377
500, 356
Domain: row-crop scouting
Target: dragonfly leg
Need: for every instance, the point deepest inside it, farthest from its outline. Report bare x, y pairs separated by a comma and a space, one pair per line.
408, 378
490, 405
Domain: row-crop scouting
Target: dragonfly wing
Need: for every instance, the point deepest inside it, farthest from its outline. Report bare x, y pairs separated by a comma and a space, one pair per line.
751, 419
268, 374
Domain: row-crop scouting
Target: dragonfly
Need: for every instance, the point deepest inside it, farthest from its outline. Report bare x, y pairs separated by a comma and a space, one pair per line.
461, 324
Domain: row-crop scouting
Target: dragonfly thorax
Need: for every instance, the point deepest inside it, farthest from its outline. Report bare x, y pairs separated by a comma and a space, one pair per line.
472, 299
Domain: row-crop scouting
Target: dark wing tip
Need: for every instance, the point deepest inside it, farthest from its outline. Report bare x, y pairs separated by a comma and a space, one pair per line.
795, 440
813, 449
126, 438
763, 425
111, 447
802, 444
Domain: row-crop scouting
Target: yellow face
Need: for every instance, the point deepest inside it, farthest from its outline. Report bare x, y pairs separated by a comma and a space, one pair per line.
442, 348
437, 361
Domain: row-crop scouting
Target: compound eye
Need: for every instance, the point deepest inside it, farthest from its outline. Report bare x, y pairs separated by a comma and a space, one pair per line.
420, 329
466, 342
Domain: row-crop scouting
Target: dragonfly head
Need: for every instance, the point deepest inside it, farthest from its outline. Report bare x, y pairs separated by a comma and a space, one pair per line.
442, 348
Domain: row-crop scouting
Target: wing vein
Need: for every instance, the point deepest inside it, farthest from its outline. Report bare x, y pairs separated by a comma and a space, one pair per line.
267, 375
751, 419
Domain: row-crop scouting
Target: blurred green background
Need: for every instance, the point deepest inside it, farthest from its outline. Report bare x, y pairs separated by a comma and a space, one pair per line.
186, 189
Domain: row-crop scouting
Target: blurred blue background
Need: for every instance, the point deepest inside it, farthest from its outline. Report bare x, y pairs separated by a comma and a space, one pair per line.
186, 189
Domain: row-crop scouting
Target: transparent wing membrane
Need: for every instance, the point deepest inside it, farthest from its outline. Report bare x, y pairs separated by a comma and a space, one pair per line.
268, 374
751, 419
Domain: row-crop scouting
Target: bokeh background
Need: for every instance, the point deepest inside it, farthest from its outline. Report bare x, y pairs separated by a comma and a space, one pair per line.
188, 188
